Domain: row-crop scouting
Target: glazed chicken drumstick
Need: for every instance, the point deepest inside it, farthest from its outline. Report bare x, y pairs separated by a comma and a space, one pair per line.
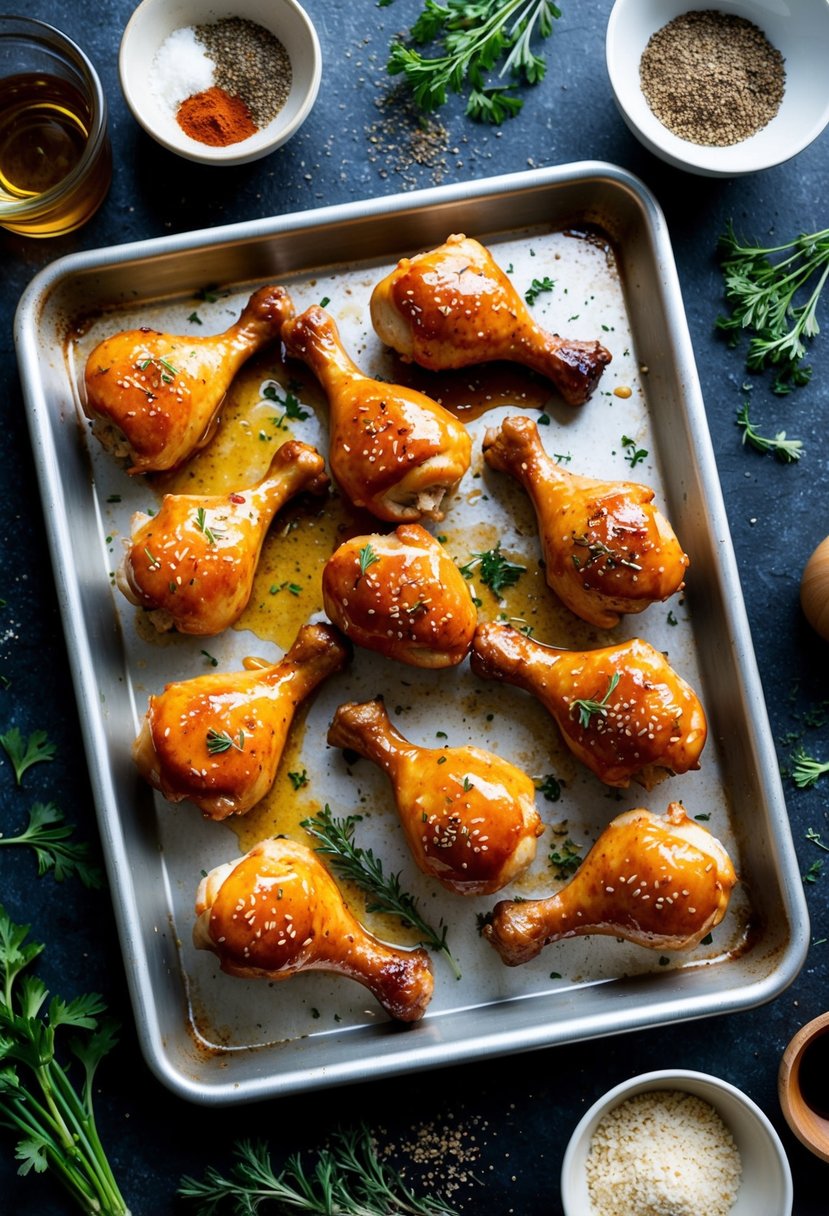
155, 397
622, 710
607, 549
401, 595
661, 882
217, 739
469, 817
294, 920
454, 306
393, 450
192, 564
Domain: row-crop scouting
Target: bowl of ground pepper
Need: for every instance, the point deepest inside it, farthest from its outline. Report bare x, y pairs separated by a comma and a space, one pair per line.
220, 84
725, 89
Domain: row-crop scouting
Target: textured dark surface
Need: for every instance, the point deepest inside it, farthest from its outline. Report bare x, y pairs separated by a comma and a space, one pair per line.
521, 1109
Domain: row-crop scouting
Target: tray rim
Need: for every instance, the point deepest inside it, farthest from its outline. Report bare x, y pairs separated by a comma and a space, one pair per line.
426, 1053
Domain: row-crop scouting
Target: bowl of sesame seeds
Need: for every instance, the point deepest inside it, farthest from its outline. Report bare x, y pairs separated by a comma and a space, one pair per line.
220, 84
721, 90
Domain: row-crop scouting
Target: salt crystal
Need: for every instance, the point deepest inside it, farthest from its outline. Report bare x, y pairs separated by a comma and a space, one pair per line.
180, 68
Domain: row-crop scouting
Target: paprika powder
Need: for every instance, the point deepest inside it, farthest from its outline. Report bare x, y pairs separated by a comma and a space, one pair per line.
214, 117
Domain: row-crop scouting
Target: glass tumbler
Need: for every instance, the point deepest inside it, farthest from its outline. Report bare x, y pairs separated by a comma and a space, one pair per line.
55, 157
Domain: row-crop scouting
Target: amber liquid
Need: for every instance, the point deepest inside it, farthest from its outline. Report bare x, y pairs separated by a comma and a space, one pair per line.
814, 1076
44, 130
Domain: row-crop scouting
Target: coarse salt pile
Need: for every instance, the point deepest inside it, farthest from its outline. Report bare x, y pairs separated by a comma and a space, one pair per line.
664, 1153
180, 68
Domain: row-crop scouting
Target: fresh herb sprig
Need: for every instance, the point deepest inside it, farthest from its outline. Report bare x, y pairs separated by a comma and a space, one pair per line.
495, 570
587, 707
54, 1120
292, 410
23, 753
786, 450
48, 833
565, 860
806, 771
347, 1179
537, 287
761, 286
219, 741
365, 870
476, 36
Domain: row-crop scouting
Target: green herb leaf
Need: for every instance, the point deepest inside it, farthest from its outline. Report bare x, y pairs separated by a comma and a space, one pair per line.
366, 557
219, 741
786, 450
298, 780
633, 455
23, 753
292, 410
535, 289
806, 771
565, 860
495, 570
50, 836
550, 787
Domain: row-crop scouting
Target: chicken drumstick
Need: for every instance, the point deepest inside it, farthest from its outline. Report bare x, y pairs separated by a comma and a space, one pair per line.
607, 549
294, 920
393, 450
469, 817
622, 710
155, 397
193, 563
454, 306
217, 739
401, 595
661, 882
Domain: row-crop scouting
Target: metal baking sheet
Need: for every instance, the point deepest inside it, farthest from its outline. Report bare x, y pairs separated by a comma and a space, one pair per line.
215, 1039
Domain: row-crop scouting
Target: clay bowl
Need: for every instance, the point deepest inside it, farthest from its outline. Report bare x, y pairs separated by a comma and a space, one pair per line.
796, 1084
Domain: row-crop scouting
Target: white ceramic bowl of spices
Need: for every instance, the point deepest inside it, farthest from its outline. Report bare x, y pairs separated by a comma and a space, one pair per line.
220, 84
724, 88
675, 1141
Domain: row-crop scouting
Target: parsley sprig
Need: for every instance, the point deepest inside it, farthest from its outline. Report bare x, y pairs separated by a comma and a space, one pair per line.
292, 410
786, 450
48, 833
587, 707
54, 1120
495, 570
365, 870
806, 770
347, 1179
476, 36
23, 753
761, 286
536, 288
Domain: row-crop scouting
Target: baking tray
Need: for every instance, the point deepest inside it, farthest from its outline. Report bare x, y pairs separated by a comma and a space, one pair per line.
601, 236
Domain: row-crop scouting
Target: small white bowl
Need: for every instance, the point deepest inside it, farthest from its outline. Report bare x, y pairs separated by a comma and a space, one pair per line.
766, 1184
153, 22
799, 29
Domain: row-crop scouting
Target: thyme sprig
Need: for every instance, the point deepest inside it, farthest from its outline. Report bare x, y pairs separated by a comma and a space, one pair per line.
219, 741
786, 450
476, 36
54, 1120
587, 707
761, 286
346, 1179
365, 870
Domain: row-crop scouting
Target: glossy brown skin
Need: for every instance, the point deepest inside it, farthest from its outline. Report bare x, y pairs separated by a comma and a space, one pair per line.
192, 564
393, 450
607, 549
295, 919
661, 882
255, 708
652, 722
411, 603
155, 397
454, 306
469, 817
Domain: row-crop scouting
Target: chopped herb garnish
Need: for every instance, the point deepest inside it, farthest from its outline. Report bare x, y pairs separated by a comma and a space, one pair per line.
298, 780
214, 662
496, 571
543, 419
814, 871
588, 708
633, 455
537, 287
671, 618
467, 785
292, 410
325, 301
550, 787
195, 318
23, 753
114, 498
366, 557
814, 836
209, 534
566, 860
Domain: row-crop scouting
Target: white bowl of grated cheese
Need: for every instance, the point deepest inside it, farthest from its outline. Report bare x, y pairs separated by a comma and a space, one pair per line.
703, 93
675, 1141
222, 84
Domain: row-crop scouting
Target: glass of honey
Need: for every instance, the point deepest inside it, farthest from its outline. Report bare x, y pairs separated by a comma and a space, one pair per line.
55, 157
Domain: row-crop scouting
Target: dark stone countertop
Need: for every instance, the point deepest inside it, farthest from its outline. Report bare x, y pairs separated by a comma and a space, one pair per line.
521, 1109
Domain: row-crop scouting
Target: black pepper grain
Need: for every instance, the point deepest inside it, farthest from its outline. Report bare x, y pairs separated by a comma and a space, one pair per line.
712, 78
251, 63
